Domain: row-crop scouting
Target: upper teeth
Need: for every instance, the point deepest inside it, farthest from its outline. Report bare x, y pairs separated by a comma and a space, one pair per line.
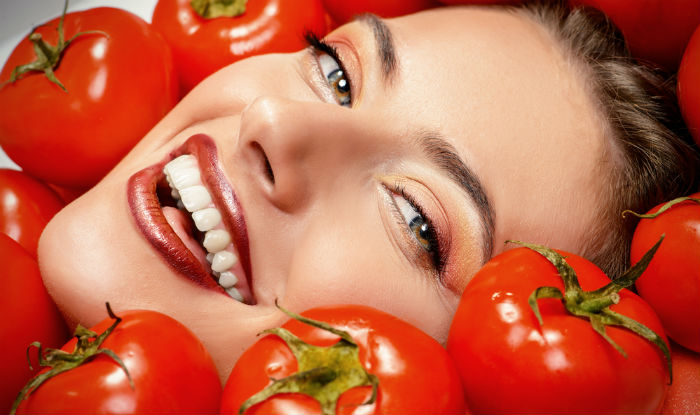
184, 179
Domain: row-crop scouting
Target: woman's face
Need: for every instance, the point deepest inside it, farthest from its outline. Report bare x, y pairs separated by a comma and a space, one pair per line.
462, 128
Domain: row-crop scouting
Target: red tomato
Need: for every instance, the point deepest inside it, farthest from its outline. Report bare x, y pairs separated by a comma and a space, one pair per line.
684, 394
414, 371
171, 370
119, 83
26, 206
656, 30
510, 364
342, 11
671, 282
28, 314
689, 85
202, 46
451, 2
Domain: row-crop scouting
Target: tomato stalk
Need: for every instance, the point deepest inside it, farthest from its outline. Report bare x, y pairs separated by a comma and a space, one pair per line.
324, 373
595, 305
663, 208
87, 348
210, 9
48, 57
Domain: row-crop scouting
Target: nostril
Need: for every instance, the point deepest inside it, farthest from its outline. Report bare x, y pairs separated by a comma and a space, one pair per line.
266, 166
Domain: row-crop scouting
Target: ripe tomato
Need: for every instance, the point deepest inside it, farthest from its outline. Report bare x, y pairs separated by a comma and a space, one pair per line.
671, 282
118, 84
343, 11
656, 30
171, 370
689, 85
202, 46
414, 372
684, 394
28, 314
451, 2
510, 364
26, 206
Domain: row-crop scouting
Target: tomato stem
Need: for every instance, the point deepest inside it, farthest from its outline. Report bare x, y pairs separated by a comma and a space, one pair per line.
86, 349
668, 205
324, 373
48, 57
211, 9
595, 305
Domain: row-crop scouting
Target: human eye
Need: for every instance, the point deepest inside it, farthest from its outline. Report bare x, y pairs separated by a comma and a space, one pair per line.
331, 66
412, 217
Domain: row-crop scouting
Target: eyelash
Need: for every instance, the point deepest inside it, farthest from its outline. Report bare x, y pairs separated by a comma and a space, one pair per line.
437, 257
320, 46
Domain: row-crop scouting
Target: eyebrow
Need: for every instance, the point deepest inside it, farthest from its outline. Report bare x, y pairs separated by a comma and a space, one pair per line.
445, 157
384, 44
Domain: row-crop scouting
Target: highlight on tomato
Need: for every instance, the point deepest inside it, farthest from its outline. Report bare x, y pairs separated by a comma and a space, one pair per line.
206, 35
545, 331
344, 359
80, 91
27, 314
138, 362
689, 85
671, 282
26, 206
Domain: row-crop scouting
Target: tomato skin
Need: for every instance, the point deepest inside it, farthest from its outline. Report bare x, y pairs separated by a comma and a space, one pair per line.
396, 352
656, 30
119, 86
509, 365
28, 314
26, 206
671, 282
203, 46
171, 370
689, 85
684, 394
342, 11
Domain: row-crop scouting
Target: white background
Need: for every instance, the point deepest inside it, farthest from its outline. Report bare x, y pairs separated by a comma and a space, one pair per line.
18, 17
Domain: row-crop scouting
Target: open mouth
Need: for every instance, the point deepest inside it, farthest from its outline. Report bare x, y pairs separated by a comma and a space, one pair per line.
188, 211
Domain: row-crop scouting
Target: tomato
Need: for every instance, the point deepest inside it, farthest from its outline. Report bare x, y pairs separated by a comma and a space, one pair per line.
689, 85
27, 314
343, 11
509, 363
414, 372
684, 394
26, 206
656, 30
451, 2
202, 46
671, 282
118, 84
171, 370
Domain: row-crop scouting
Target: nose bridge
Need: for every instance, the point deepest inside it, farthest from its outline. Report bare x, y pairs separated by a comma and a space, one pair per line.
305, 143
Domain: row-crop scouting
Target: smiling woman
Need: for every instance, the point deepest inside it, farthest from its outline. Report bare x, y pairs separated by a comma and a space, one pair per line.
382, 166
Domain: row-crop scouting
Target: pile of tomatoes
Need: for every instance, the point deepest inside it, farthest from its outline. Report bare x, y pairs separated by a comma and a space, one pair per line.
64, 122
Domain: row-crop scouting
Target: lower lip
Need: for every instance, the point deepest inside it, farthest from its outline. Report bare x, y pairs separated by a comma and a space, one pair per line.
147, 212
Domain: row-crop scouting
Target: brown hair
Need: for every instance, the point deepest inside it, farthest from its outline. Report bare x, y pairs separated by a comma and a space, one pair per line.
652, 157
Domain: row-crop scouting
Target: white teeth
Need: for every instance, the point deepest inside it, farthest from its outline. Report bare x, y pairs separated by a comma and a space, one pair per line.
216, 240
223, 260
184, 161
206, 219
210, 257
227, 279
233, 293
195, 198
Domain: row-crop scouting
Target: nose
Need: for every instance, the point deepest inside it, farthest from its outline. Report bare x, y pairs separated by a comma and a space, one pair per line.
298, 148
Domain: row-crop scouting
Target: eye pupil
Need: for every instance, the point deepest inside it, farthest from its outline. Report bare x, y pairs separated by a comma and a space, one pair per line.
341, 85
421, 230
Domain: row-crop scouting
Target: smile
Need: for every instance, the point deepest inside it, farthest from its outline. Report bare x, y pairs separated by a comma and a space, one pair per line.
187, 210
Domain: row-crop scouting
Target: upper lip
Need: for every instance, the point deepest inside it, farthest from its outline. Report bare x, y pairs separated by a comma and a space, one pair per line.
146, 210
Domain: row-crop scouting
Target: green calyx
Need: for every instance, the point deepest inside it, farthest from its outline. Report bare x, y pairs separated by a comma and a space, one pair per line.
664, 208
87, 348
48, 57
595, 305
210, 9
324, 373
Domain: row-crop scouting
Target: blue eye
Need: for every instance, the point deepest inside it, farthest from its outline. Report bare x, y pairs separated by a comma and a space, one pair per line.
337, 80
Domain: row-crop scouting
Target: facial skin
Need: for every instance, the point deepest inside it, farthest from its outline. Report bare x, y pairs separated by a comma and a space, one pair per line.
325, 231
